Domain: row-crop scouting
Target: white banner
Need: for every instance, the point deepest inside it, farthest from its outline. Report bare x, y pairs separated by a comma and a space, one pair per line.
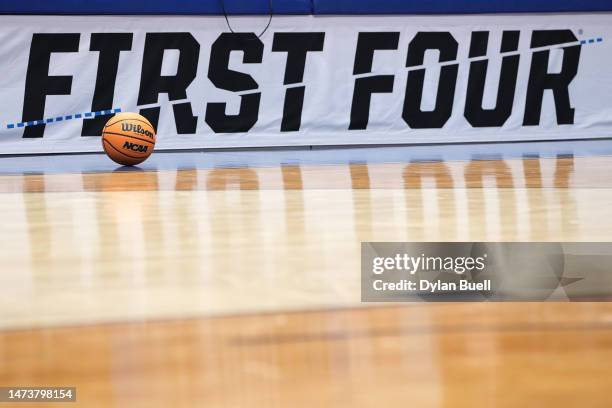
307, 81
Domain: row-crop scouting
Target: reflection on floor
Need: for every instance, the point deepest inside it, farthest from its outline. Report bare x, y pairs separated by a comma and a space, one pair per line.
232, 279
95, 247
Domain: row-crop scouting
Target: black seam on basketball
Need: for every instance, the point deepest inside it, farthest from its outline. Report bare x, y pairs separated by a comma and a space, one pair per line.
116, 160
137, 120
131, 137
126, 155
104, 147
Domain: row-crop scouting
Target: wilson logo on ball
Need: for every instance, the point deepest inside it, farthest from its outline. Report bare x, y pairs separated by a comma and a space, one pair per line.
129, 127
135, 147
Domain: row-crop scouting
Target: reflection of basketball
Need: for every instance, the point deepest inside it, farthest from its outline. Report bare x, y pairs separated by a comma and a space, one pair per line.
128, 138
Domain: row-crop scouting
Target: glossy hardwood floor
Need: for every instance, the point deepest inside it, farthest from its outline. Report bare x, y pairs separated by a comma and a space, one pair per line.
239, 287
435, 355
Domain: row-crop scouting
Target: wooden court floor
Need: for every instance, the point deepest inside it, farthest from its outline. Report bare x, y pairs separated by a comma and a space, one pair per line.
239, 287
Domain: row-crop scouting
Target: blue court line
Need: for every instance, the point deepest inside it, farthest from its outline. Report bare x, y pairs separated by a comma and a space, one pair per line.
63, 118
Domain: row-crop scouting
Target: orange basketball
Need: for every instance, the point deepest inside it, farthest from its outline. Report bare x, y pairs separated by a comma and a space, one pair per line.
128, 138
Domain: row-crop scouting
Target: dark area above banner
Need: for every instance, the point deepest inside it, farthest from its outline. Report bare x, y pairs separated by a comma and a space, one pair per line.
215, 7
457, 6
201, 7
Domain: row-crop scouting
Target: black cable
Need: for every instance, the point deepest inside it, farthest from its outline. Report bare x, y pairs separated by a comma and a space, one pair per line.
230, 26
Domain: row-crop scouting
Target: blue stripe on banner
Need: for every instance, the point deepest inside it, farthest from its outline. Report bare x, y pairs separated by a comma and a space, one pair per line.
62, 118
456, 6
591, 40
154, 7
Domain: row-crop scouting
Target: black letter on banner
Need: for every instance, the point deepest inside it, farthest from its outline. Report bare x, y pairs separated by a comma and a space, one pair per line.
110, 46
296, 45
413, 115
540, 79
367, 43
152, 83
224, 78
38, 82
474, 113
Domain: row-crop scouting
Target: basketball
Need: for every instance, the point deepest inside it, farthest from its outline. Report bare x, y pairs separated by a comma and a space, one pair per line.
128, 138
